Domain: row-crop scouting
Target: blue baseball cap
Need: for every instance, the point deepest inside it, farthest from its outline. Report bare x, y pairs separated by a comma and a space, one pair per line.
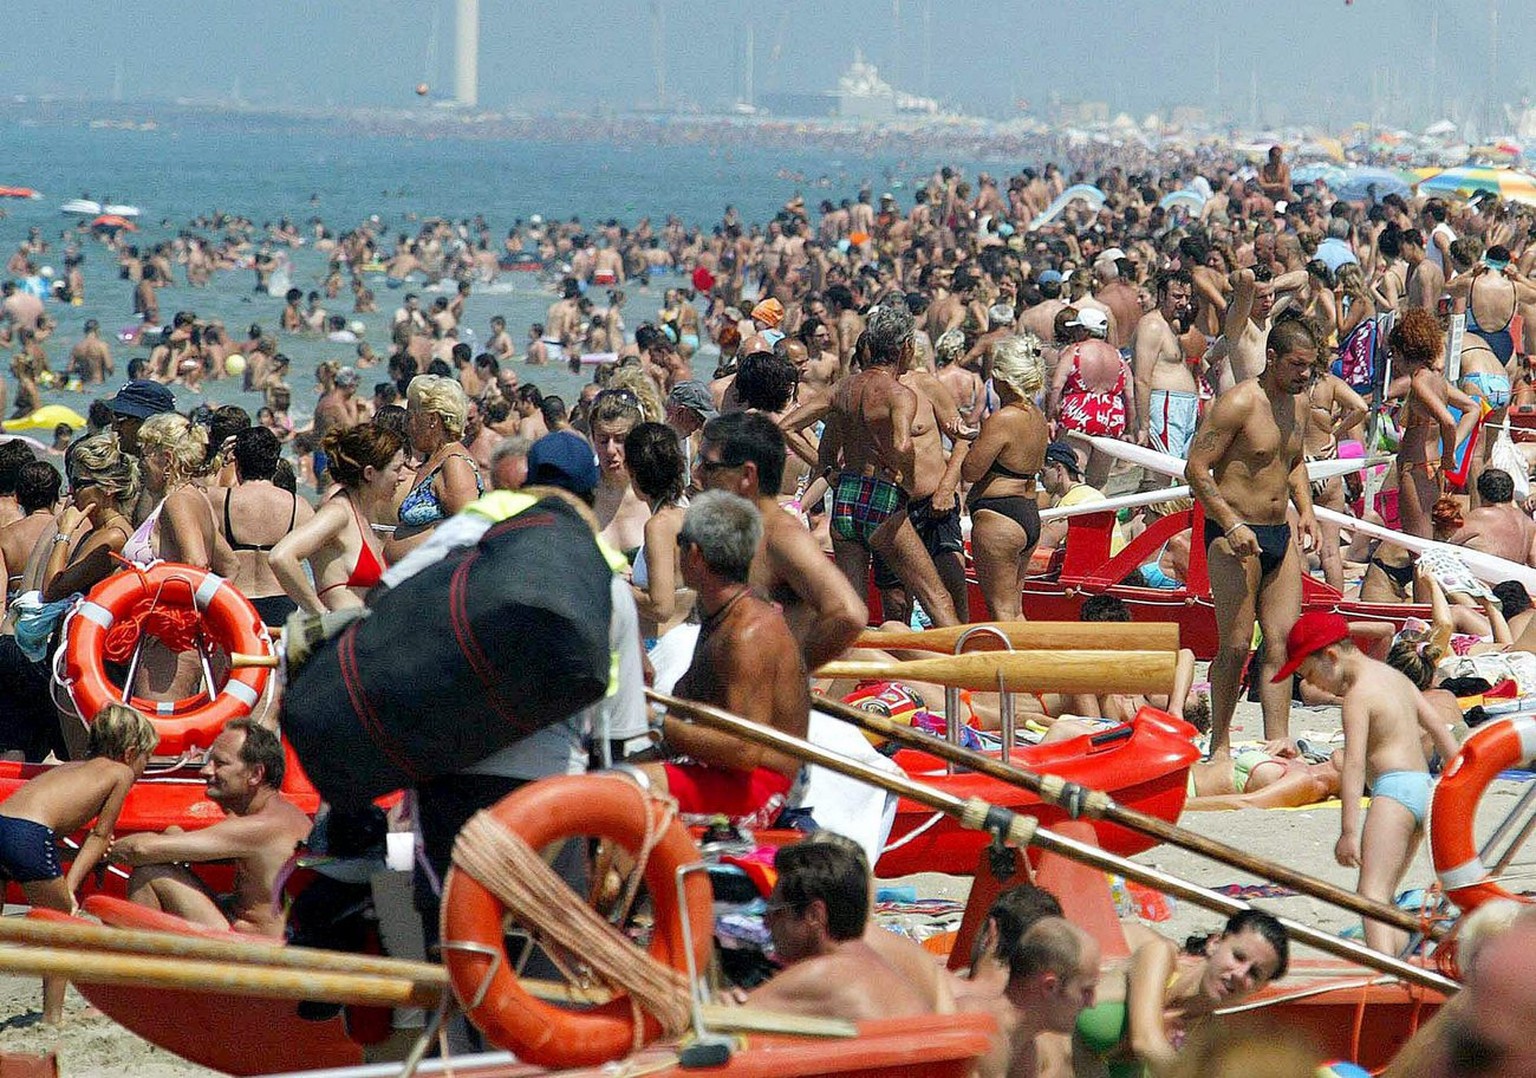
563, 459
1049, 276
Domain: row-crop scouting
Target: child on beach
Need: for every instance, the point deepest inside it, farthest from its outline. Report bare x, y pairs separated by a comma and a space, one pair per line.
62, 800
1384, 715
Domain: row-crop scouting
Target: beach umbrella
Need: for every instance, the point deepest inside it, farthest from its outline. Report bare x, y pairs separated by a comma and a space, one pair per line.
1332, 175
1471, 179
18, 192
111, 222
1357, 182
1193, 200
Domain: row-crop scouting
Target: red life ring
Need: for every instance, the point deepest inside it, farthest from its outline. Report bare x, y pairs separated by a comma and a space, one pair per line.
1495, 747
544, 813
226, 619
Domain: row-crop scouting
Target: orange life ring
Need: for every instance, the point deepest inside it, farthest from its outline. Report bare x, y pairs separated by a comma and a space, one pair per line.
544, 813
227, 619
1495, 747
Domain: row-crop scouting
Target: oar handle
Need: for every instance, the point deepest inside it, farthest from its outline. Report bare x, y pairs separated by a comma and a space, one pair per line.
240, 660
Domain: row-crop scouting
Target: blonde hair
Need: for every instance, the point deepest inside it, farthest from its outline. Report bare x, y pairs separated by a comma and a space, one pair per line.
644, 388
186, 441
434, 393
99, 459
120, 732
1483, 924
1016, 362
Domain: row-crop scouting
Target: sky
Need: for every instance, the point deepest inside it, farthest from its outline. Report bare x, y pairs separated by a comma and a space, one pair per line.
1324, 61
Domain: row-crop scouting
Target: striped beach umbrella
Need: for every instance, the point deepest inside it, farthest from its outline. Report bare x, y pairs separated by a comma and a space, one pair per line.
1471, 179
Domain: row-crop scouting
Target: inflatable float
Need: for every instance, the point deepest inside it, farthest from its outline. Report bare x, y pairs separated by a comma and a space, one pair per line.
46, 418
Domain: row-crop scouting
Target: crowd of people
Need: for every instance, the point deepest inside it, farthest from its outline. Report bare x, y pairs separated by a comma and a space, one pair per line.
904, 389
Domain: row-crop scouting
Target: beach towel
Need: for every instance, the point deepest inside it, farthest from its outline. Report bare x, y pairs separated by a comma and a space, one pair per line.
847, 806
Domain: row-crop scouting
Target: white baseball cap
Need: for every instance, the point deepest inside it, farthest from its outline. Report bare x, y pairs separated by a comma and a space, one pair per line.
1093, 320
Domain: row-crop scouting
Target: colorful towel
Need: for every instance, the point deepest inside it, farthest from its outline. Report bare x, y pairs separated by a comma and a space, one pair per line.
1248, 891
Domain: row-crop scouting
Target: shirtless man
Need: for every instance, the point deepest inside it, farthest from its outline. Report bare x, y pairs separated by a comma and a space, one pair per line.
1246, 466
91, 359
479, 438
869, 418
1496, 526
607, 266
847, 321
1119, 295
934, 509
1053, 974
1041, 318
37, 495
744, 453
259, 832
817, 915
1245, 327
538, 351
500, 343
1275, 176
746, 661
821, 368
1167, 396
1426, 281
562, 325
338, 409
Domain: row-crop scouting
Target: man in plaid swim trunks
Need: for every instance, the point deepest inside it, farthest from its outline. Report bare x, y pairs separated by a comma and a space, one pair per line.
870, 421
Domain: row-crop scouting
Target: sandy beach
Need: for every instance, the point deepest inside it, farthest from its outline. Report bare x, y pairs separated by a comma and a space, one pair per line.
92, 1046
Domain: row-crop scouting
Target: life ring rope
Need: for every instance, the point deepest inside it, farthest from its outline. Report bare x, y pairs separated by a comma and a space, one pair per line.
497, 872
187, 608
536, 896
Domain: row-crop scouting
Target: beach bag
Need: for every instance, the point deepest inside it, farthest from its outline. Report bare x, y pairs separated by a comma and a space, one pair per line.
1506, 457
460, 660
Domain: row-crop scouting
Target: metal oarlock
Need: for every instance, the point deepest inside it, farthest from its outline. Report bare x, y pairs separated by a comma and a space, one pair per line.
1006, 703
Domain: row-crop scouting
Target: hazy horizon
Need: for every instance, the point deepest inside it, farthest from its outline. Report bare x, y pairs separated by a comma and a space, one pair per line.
1326, 62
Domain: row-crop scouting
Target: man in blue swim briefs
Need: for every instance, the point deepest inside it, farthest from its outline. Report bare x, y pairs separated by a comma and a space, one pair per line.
1246, 468
1385, 718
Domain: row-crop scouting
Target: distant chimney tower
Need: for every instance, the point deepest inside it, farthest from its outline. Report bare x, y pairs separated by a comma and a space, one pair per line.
466, 59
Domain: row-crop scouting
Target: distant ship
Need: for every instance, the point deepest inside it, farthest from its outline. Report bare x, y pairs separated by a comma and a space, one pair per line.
863, 95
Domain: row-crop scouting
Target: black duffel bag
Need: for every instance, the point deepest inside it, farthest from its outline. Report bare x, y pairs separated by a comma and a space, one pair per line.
469, 655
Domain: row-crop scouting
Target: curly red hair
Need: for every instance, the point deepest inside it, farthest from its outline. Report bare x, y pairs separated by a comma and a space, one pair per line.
1446, 514
1417, 338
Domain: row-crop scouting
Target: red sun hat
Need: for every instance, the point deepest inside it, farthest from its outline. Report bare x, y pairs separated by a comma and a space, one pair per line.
1313, 631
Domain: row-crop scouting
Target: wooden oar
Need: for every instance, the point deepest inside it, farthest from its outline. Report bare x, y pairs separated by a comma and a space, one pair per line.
85, 935
1020, 830
1080, 801
1027, 671
228, 978
1032, 635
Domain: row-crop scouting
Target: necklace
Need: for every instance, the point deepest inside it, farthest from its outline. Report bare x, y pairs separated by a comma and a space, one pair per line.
712, 621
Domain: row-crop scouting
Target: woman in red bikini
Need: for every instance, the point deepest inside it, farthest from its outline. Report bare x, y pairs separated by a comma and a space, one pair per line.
338, 541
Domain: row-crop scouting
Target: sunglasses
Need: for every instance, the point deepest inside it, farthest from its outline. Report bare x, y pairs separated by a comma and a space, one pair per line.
626, 396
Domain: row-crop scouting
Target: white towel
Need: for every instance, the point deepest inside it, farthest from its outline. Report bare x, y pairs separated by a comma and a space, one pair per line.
847, 806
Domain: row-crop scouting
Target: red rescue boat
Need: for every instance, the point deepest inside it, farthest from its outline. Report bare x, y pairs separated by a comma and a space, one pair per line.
1084, 567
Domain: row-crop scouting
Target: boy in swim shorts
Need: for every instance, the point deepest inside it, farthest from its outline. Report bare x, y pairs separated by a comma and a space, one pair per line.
1386, 719
61, 801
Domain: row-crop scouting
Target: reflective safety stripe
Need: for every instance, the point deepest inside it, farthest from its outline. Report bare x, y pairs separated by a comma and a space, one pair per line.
1464, 875
97, 613
1525, 728
242, 692
204, 594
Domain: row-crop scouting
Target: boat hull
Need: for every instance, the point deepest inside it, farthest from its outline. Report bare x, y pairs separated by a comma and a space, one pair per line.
1143, 766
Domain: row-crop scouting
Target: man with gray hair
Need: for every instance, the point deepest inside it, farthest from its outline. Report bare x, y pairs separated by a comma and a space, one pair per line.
746, 661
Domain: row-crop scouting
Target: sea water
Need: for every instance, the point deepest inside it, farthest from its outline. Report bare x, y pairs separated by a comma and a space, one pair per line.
270, 168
